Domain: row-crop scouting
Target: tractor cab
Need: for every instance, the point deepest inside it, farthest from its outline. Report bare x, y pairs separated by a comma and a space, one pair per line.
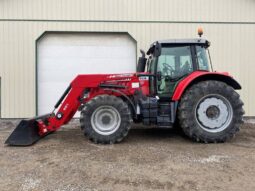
169, 61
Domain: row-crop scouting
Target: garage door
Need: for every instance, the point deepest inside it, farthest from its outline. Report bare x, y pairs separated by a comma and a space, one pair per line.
60, 57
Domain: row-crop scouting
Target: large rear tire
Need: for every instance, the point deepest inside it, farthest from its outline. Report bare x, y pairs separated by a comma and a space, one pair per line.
105, 119
210, 111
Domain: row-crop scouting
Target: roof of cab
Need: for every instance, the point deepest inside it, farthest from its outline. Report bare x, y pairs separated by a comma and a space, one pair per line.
198, 41
183, 41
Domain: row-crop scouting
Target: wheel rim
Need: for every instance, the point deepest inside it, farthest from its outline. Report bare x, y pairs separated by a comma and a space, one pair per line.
214, 113
105, 120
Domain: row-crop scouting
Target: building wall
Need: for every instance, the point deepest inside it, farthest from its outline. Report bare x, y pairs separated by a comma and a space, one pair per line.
229, 25
130, 10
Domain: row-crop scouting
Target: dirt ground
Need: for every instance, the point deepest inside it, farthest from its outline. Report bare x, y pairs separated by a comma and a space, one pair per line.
148, 159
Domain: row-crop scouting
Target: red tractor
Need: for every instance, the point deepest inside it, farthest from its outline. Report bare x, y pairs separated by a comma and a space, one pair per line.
175, 83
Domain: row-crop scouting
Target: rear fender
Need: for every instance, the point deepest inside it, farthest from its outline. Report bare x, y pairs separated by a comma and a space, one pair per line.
198, 76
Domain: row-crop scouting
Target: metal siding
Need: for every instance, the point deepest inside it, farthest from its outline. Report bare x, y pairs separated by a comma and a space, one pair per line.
162, 10
231, 50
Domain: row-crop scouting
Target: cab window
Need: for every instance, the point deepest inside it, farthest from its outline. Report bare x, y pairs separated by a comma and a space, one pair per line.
202, 58
175, 61
151, 63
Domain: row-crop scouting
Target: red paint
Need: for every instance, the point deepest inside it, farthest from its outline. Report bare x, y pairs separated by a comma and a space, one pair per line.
181, 87
74, 98
145, 84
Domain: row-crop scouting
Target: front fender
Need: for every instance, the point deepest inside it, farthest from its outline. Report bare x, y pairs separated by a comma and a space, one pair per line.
198, 76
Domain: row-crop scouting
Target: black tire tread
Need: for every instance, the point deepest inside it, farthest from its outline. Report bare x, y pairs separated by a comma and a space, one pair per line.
186, 111
100, 100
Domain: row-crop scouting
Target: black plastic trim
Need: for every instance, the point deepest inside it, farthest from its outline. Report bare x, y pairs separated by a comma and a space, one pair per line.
194, 57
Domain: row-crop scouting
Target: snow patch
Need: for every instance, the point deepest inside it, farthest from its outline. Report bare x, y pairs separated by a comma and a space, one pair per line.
212, 159
30, 184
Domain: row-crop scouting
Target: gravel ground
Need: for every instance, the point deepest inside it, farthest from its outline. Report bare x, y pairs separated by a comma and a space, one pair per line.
148, 159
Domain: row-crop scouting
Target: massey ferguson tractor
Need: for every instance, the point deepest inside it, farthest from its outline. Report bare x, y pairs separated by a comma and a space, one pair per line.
175, 82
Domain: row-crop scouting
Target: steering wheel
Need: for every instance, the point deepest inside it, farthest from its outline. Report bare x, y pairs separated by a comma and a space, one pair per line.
168, 70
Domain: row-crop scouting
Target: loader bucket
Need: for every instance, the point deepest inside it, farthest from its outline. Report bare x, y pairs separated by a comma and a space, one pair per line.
26, 133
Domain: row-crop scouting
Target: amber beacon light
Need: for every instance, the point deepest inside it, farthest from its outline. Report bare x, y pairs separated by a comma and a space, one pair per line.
200, 31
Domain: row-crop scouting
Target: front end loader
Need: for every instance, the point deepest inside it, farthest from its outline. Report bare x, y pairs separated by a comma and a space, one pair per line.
82, 89
175, 81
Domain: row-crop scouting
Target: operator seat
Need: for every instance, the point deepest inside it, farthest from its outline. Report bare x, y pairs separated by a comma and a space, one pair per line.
185, 68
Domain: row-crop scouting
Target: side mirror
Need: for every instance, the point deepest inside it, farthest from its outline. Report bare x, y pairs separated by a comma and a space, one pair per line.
141, 62
159, 75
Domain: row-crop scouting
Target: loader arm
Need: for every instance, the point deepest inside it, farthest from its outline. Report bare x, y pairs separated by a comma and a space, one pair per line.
31, 130
64, 114
69, 102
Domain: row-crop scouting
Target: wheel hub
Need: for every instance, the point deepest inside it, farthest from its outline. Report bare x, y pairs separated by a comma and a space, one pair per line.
214, 113
105, 120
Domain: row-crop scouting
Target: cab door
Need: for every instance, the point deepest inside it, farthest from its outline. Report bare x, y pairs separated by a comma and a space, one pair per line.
173, 65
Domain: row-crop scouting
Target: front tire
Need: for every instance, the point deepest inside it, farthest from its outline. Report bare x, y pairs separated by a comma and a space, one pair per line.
106, 119
210, 111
